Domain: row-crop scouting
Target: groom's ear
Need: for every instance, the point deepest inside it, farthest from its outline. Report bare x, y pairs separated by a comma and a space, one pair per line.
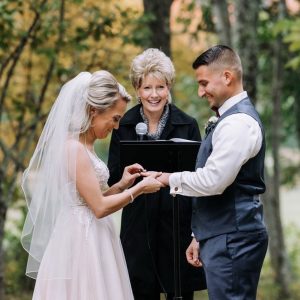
228, 77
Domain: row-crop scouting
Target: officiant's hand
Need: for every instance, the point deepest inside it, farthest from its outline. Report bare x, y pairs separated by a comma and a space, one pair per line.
192, 254
130, 174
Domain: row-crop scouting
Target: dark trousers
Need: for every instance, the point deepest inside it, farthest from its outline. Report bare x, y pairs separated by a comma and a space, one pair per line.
156, 296
232, 264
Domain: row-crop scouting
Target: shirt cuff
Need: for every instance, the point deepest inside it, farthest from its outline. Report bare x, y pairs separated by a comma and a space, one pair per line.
175, 183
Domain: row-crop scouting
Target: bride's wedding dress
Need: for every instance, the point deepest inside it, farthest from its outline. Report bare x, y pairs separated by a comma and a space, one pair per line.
84, 258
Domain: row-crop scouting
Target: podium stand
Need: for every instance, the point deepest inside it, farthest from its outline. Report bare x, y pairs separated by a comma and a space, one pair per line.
165, 156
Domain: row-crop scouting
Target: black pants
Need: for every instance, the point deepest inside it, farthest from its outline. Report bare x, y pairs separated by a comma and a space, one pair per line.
156, 296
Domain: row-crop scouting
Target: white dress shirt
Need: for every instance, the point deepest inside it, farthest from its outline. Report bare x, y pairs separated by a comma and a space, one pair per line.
235, 140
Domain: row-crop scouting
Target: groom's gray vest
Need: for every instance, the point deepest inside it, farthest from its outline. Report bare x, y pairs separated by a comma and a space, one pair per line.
239, 207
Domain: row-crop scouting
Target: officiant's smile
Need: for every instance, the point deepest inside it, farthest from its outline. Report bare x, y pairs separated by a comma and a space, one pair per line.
153, 94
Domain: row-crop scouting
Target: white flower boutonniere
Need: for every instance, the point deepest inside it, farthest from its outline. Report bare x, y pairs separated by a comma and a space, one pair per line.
210, 124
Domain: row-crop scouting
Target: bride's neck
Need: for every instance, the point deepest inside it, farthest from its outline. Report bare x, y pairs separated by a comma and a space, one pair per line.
87, 139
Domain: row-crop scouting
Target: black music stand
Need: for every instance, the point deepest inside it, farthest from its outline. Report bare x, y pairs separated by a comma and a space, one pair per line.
165, 156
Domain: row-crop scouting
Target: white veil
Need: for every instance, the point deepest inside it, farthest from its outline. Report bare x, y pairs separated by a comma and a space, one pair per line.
46, 182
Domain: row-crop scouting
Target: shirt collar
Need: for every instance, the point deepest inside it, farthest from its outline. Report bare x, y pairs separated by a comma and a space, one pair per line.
232, 101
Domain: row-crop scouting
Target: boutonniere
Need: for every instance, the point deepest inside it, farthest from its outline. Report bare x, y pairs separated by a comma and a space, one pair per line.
210, 124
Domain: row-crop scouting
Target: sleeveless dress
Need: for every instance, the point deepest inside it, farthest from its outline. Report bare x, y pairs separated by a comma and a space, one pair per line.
84, 259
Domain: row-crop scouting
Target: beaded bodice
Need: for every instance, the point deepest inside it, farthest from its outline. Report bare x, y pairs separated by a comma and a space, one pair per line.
102, 174
101, 170
80, 207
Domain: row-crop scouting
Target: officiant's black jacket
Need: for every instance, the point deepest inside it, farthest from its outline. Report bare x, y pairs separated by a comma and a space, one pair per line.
146, 227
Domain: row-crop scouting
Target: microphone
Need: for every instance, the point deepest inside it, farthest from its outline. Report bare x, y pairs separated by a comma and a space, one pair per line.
141, 129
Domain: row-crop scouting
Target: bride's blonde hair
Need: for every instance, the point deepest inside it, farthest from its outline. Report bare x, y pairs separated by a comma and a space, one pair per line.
102, 93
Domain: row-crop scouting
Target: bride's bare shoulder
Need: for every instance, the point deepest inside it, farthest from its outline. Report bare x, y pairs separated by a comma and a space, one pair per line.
74, 146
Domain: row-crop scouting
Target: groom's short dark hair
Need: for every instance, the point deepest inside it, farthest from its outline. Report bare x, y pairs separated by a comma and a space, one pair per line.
220, 55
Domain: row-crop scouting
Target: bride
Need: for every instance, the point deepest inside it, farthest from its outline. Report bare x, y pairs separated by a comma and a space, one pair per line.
74, 250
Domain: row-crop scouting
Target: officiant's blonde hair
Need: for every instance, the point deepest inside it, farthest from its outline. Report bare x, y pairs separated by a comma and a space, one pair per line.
155, 62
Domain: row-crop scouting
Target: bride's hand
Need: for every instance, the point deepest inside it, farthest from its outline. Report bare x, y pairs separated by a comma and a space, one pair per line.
130, 174
149, 184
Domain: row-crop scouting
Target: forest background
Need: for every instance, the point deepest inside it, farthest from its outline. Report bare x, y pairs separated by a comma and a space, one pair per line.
45, 43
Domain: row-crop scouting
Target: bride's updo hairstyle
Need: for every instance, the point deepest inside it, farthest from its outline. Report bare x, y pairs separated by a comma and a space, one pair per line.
102, 93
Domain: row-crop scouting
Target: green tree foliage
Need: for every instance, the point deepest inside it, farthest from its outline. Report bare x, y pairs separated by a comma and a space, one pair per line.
269, 29
43, 44
289, 28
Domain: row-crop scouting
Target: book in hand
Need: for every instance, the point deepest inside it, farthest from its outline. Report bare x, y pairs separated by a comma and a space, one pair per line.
160, 155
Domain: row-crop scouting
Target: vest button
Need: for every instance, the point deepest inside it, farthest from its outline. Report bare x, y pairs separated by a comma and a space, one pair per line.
176, 189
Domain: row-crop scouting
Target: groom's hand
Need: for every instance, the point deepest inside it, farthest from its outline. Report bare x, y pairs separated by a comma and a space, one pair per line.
164, 178
192, 254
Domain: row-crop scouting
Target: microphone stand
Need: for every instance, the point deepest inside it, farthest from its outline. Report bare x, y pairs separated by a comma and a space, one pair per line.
176, 248
140, 137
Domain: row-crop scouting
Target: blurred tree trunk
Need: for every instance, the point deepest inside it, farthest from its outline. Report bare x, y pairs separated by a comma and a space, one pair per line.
3, 209
159, 24
277, 247
297, 119
245, 41
223, 27
233, 34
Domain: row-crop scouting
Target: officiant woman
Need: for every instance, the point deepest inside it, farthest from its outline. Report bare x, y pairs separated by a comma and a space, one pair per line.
146, 226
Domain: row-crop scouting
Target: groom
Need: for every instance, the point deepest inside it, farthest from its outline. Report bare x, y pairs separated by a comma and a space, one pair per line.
227, 217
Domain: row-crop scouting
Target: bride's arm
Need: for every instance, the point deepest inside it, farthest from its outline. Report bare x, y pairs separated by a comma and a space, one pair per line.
88, 187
